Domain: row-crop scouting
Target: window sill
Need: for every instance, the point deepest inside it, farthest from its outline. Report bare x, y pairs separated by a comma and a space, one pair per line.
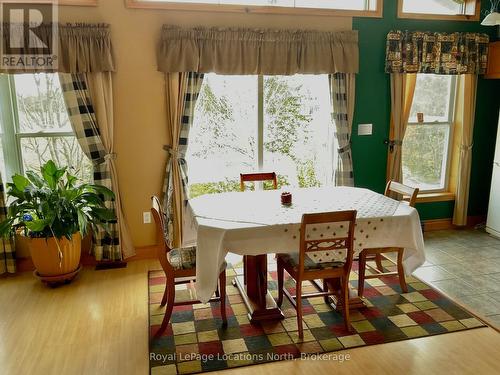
444, 196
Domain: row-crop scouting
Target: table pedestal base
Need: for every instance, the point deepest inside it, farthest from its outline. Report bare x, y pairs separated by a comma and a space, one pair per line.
257, 311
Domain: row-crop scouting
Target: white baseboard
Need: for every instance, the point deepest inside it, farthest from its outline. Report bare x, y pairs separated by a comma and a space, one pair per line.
493, 232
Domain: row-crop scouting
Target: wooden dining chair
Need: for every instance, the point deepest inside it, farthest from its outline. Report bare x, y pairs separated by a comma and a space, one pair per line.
379, 254
179, 266
337, 249
258, 177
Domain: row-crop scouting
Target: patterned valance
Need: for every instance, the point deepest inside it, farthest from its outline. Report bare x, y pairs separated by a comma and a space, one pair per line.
256, 51
81, 48
438, 53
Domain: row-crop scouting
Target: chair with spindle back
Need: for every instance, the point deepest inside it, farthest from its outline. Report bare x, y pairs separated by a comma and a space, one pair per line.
378, 254
179, 266
307, 265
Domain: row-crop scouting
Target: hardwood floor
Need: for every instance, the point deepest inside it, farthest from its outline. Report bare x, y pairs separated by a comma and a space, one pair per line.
99, 325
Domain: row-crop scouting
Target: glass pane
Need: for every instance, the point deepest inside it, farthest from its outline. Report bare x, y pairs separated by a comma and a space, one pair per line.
432, 98
335, 4
297, 121
223, 139
425, 153
40, 104
279, 3
326, 4
64, 151
432, 7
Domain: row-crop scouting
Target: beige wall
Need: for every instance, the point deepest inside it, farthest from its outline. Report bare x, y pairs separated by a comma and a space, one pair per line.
139, 95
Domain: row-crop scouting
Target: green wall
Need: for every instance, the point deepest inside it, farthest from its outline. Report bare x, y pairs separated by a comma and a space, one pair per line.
373, 106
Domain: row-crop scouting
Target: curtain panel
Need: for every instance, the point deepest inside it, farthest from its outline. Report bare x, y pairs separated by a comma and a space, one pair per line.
82, 48
83, 120
182, 91
342, 96
438, 53
402, 90
7, 249
256, 51
467, 85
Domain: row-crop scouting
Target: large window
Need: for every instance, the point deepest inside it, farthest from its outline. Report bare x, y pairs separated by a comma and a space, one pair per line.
269, 123
36, 127
440, 9
427, 142
369, 8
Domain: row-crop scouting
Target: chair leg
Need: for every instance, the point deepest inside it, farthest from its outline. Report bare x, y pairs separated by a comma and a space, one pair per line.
165, 295
298, 300
222, 289
281, 276
347, 319
401, 272
378, 262
361, 273
170, 305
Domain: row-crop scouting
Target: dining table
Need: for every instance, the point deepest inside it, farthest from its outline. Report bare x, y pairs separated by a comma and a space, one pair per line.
256, 223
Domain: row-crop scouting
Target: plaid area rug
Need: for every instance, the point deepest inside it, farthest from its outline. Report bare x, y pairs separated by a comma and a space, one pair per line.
196, 342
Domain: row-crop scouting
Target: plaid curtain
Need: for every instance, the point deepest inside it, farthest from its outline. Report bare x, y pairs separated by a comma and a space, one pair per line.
342, 98
7, 249
438, 53
177, 153
83, 121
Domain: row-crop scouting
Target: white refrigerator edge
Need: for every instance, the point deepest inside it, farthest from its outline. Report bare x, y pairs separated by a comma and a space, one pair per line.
493, 221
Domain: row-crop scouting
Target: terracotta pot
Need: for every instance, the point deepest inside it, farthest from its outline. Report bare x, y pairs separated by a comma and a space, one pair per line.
45, 255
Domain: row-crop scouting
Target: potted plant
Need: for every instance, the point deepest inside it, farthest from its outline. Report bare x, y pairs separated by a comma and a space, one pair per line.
54, 213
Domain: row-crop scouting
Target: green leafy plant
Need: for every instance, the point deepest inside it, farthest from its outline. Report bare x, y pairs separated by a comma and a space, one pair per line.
52, 204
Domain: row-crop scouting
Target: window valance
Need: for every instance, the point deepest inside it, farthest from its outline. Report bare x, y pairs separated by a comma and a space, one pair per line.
438, 53
255, 51
81, 48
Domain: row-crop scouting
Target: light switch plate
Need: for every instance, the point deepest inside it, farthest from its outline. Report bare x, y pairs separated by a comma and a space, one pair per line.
365, 129
146, 217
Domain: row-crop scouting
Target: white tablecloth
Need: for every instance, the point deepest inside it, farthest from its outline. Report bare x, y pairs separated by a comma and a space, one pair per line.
253, 223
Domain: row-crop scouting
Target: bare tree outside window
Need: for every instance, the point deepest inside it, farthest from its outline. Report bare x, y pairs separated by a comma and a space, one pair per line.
44, 131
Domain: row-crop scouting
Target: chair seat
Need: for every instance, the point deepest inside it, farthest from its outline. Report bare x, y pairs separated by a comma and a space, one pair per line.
309, 263
185, 259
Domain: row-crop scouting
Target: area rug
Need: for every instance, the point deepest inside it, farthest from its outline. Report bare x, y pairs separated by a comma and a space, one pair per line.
196, 342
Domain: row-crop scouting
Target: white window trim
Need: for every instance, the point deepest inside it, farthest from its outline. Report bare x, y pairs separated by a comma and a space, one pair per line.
450, 123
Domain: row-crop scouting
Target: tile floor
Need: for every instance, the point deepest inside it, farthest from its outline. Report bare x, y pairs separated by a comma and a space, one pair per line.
465, 265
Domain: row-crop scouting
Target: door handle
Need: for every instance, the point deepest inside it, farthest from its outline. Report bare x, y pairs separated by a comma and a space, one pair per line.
497, 164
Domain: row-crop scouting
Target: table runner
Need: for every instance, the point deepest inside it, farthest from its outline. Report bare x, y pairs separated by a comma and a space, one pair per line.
253, 223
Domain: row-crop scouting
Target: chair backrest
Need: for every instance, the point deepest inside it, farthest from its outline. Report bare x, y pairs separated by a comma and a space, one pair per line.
161, 243
254, 177
396, 187
328, 233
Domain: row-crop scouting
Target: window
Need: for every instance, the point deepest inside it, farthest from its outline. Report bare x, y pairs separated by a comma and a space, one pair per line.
427, 142
36, 127
440, 9
368, 8
269, 123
